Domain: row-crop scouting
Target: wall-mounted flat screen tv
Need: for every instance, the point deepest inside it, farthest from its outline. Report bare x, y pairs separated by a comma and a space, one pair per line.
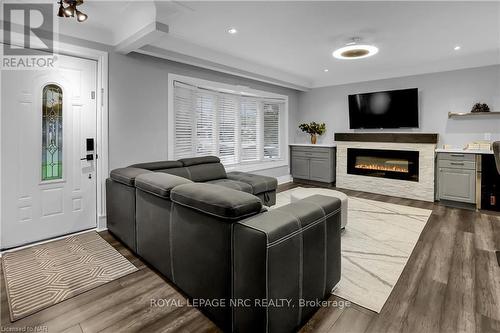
384, 109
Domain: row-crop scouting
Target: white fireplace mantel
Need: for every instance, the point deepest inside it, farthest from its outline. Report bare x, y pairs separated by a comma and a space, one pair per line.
421, 190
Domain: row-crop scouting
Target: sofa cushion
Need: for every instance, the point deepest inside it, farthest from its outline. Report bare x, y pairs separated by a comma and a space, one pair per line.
158, 183
127, 176
258, 183
181, 172
206, 172
199, 160
234, 184
158, 165
216, 200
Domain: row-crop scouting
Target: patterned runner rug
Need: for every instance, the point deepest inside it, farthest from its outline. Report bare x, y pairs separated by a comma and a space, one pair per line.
43, 275
376, 244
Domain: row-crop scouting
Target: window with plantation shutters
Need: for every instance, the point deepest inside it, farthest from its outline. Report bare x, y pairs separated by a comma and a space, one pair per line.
271, 130
238, 129
249, 130
205, 136
184, 115
228, 129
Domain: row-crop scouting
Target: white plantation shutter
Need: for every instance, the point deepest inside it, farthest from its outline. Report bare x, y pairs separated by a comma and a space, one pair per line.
184, 99
237, 129
249, 130
228, 129
271, 130
205, 124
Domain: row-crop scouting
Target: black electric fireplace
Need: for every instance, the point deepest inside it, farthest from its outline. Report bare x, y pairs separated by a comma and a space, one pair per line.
394, 164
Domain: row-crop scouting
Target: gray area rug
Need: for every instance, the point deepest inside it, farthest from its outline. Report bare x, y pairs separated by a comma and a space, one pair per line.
43, 275
376, 245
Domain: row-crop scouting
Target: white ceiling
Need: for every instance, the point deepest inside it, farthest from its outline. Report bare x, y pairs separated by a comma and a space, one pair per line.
291, 41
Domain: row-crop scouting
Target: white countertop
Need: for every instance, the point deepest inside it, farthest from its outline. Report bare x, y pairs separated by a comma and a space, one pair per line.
316, 145
463, 151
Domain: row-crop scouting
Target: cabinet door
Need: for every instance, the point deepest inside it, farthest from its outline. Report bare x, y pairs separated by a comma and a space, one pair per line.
300, 167
321, 169
457, 185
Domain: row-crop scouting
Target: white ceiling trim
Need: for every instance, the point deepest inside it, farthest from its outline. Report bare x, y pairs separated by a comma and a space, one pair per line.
203, 63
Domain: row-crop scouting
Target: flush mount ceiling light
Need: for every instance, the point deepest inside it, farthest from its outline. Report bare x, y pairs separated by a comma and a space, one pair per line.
355, 50
458, 47
70, 10
232, 31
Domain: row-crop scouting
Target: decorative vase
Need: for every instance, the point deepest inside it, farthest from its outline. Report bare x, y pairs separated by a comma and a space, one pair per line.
314, 138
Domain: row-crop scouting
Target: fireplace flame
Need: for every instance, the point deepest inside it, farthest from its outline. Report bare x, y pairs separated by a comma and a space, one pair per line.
379, 167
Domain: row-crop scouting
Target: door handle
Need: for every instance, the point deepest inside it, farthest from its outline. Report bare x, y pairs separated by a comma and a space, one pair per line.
89, 157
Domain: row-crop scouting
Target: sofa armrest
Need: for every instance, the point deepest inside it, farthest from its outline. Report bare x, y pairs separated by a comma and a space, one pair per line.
159, 183
293, 253
127, 176
215, 200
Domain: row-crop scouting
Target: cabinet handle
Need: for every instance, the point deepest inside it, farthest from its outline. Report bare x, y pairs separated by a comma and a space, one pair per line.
458, 155
456, 163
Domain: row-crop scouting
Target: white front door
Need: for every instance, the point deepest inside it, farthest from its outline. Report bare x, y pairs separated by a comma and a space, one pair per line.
46, 118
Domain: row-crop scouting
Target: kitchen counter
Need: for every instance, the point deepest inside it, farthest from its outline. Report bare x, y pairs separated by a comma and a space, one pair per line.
463, 151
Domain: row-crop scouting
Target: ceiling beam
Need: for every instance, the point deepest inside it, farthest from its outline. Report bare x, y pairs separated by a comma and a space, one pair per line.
147, 35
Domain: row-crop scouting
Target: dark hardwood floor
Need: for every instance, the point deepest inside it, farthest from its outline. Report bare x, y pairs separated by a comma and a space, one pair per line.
450, 284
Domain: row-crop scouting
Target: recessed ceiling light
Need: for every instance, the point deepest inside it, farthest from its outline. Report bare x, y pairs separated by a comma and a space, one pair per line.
232, 31
325, 70
458, 47
353, 50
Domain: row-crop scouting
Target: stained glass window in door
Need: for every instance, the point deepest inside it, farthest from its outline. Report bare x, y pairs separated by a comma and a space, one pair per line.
52, 132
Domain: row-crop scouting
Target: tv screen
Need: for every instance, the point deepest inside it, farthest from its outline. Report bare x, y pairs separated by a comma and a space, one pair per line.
384, 109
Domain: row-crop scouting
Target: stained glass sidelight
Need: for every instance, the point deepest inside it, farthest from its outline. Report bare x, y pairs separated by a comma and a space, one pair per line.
52, 132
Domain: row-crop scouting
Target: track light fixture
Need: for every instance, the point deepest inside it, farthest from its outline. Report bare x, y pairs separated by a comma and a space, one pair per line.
70, 10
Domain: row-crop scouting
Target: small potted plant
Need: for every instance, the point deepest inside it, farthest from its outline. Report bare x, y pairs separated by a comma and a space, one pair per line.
313, 129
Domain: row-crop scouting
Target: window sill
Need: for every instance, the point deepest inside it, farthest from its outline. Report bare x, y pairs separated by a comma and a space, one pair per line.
256, 166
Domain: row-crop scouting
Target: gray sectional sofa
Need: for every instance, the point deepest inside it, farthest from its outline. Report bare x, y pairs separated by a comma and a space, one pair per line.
215, 240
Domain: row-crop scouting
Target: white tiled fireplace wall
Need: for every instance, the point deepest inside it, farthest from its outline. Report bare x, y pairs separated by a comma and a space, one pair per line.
421, 190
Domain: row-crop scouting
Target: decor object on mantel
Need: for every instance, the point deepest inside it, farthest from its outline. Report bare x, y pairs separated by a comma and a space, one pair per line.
478, 107
314, 129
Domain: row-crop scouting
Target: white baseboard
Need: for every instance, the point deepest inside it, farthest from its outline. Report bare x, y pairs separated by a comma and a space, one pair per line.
284, 179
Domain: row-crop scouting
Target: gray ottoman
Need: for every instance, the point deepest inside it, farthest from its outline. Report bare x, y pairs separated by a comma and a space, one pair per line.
302, 193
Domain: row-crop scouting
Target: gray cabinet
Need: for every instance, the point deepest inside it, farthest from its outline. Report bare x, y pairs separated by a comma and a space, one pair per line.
300, 167
313, 163
456, 177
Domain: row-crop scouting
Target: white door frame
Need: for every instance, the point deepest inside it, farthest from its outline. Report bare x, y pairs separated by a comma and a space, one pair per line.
101, 57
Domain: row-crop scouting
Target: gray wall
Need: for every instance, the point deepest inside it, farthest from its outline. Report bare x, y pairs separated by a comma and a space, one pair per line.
138, 87
439, 93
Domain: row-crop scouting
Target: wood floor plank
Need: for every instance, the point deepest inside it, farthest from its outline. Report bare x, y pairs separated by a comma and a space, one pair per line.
487, 284
458, 311
352, 320
122, 315
324, 318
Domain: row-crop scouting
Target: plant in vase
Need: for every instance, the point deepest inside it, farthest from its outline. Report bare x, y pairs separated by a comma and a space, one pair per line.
313, 129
